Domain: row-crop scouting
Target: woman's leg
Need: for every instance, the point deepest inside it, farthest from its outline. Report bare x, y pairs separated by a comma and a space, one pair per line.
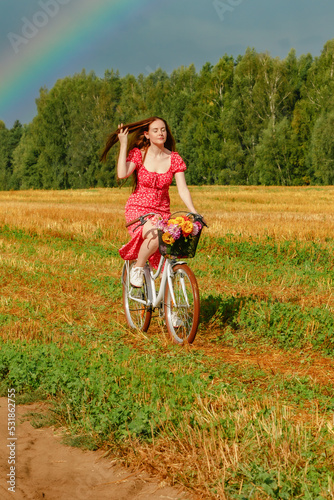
150, 244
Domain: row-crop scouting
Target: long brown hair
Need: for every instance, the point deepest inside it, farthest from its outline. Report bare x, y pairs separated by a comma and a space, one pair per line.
138, 139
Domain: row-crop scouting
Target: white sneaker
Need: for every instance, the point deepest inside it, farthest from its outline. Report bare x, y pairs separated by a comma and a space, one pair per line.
176, 321
136, 277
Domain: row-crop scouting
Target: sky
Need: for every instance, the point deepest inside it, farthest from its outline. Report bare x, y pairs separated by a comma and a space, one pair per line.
44, 40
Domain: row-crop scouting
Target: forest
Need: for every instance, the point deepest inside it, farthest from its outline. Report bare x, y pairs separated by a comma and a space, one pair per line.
253, 120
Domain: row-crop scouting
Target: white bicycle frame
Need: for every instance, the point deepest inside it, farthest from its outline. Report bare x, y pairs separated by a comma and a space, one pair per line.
155, 299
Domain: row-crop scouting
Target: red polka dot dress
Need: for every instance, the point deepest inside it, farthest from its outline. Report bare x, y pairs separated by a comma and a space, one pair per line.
150, 195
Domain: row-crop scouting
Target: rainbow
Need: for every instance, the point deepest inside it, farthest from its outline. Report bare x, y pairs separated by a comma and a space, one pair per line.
24, 72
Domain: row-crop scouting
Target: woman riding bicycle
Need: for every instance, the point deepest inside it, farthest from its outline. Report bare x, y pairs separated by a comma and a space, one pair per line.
151, 157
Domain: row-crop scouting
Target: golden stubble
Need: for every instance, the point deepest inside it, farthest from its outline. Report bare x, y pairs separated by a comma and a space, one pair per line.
300, 214
305, 213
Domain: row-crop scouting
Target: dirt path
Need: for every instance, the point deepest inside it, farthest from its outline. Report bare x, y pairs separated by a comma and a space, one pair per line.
47, 469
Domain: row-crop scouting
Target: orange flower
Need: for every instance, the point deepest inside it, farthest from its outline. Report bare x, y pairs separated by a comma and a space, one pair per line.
172, 221
168, 239
187, 228
180, 221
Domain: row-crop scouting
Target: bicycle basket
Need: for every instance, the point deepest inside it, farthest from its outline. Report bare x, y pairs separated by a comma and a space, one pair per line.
179, 236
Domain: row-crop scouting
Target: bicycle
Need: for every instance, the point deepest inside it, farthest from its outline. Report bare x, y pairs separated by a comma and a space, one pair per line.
177, 298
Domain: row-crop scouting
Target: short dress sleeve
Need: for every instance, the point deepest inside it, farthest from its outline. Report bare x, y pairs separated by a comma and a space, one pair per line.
178, 164
135, 157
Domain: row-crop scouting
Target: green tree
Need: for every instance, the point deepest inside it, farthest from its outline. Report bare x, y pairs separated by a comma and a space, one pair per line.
276, 159
322, 149
205, 132
27, 173
4, 155
262, 95
316, 98
9, 139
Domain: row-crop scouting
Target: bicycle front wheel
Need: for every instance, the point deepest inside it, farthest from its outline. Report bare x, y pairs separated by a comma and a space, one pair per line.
182, 315
137, 313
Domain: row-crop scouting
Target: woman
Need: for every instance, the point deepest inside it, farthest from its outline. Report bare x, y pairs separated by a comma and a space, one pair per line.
151, 157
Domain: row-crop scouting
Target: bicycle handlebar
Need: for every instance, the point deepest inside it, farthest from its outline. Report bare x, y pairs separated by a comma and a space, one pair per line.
198, 218
143, 219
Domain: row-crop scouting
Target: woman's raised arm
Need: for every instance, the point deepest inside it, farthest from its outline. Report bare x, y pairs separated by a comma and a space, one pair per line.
124, 168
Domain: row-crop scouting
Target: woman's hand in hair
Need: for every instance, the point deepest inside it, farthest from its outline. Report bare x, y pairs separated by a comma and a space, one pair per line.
123, 135
124, 168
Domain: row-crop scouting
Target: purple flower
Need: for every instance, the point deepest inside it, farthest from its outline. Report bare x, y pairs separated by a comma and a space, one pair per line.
174, 230
196, 228
161, 224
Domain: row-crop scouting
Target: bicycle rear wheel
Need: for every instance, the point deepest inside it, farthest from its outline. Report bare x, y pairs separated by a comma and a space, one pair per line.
182, 317
137, 313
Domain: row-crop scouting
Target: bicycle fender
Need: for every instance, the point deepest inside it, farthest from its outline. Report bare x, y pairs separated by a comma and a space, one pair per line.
178, 262
123, 271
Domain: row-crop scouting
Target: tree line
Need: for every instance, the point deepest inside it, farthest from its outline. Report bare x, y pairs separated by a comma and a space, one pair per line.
254, 120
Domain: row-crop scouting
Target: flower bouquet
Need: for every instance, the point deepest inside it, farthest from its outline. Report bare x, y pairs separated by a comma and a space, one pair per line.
178, 236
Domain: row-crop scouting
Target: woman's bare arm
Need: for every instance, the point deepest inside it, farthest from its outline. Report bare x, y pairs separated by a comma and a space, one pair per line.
124, 168
184, 191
